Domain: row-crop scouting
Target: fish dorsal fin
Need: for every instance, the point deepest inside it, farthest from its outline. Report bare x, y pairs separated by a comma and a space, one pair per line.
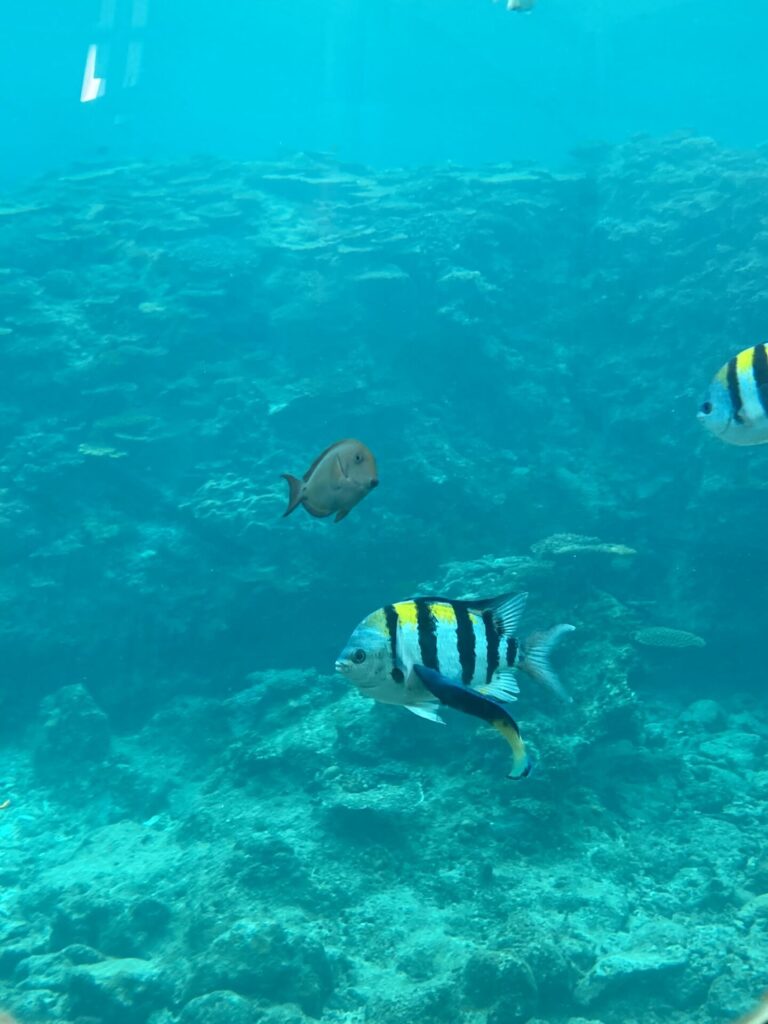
507, 611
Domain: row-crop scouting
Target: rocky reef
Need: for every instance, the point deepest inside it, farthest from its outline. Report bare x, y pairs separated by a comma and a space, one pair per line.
198, 823
296, 853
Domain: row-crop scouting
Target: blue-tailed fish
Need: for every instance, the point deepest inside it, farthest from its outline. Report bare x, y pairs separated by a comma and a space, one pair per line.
735, 408
463, 654
337, 480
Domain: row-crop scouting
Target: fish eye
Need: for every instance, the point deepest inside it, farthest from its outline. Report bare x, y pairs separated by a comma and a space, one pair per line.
706, 408
358, 457
359, 656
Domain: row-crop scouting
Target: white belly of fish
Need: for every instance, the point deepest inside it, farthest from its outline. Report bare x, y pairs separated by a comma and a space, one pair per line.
388, 691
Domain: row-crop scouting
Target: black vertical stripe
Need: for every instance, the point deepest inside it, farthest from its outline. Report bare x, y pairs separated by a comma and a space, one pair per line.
734, 391
511, 650
391, 618
427, 629
465, 639
760, 373
492, 638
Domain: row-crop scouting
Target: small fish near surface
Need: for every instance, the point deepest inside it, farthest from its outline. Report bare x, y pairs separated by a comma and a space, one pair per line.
735, 408
432, 651
522, 6
337, 480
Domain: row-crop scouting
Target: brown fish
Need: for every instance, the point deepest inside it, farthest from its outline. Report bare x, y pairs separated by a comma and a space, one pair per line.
339, 477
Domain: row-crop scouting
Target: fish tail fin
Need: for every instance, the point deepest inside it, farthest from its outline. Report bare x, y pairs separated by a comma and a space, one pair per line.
522, 762
535, 660
294, 492
462, 698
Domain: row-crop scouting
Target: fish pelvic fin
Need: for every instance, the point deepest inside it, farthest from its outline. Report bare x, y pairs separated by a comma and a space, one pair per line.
535, 659
294, 492
425, 710
341, 515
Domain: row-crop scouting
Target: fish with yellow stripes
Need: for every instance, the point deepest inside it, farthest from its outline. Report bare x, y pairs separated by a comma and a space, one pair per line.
735, 408
463, 654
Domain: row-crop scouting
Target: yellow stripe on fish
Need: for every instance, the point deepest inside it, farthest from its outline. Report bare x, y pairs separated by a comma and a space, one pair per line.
407, 612
377, 620
746, 364
443, 613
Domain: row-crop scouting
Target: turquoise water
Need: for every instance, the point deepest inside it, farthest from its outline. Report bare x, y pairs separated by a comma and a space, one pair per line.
508, 252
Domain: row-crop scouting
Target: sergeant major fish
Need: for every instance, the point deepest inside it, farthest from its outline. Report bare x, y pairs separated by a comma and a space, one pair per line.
735, 408
337, 480
463, 654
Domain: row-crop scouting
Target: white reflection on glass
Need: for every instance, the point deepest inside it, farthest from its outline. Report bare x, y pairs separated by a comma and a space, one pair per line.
121, 22
92, 87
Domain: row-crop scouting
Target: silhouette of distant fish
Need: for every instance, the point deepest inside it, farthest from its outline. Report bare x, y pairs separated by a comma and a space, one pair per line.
523, 6
735, 408
337, 480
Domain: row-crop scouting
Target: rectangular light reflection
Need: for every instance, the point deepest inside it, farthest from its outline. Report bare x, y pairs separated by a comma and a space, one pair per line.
93, 87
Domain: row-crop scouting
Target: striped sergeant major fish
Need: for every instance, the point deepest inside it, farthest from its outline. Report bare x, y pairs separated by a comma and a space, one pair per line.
735, 408
463, 654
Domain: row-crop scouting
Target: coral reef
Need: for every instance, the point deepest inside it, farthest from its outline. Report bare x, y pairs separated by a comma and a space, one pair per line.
202, 824
312, 856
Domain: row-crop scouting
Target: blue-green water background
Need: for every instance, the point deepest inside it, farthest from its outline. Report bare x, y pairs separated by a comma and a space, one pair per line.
384, 84
418, 85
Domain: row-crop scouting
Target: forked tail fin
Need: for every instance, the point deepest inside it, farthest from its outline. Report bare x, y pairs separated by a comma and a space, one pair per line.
535, 660
294, 493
